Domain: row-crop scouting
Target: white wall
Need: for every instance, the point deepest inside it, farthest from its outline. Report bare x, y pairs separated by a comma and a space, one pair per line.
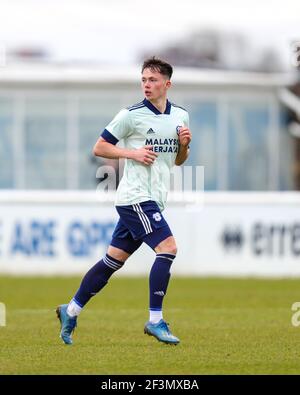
231, 234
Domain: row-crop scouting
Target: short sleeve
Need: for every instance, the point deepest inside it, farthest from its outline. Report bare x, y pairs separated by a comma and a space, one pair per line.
118, 128
186, 119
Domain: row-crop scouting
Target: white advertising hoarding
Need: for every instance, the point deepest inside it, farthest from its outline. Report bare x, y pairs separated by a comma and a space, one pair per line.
231, 234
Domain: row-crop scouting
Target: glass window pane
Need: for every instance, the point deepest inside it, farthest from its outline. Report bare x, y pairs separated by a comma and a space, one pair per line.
248, 155
45, 143
6, 143
94, 115
203, 124
288, 166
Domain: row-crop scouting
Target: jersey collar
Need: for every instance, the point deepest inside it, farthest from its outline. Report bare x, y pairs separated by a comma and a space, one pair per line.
151, 107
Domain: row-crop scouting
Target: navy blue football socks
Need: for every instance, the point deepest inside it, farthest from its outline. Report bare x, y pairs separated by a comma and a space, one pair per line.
96, 278
159, 279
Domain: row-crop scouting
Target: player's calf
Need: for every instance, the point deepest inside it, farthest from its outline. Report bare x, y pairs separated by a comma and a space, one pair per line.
94, 280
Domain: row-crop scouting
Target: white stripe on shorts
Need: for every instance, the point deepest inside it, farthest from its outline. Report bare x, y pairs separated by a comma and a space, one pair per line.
146, 218
143, 217
144, 223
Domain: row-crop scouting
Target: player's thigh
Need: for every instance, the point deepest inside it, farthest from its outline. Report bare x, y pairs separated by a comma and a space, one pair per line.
167, 245
122, 244
157, 233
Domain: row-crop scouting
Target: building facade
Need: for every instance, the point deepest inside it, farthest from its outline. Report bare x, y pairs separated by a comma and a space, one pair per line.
51, 117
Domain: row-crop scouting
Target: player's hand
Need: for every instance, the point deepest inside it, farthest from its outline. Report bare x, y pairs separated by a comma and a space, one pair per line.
144, 155
185, 136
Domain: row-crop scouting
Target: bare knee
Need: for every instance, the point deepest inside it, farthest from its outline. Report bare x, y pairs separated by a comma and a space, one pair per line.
168, 245
117, 253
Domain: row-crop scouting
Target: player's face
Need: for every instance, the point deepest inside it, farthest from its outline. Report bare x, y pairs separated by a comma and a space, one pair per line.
154, 84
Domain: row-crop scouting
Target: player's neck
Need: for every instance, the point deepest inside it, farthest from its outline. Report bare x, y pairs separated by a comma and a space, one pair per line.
160, 104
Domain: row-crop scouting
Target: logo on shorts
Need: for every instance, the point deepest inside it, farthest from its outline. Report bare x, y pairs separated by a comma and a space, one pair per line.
157, 217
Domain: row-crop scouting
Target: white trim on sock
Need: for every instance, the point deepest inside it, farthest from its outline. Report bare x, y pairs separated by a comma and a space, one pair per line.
73, 309
155, 316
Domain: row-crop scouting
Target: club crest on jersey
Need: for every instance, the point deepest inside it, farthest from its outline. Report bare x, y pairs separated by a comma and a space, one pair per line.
157, 217
178, 129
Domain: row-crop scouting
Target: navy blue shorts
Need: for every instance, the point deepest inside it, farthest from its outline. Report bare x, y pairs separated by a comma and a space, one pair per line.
138, 223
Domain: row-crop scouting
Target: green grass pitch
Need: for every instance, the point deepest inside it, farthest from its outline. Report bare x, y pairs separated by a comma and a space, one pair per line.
226, 326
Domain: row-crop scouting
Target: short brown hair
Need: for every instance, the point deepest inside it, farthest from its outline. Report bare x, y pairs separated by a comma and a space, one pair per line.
159, 65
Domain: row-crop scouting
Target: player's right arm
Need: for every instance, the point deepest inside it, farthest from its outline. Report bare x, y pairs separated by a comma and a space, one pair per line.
121, 127
108, 150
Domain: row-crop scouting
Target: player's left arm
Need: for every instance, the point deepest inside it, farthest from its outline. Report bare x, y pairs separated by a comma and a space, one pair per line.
185, 137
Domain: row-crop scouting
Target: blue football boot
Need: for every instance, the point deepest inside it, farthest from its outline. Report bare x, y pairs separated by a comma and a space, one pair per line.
68, 323
161, 331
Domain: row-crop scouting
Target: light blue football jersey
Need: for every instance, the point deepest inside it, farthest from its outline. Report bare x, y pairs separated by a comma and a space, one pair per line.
140, 125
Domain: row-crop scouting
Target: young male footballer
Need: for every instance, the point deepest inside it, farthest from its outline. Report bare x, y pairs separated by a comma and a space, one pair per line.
156, 135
